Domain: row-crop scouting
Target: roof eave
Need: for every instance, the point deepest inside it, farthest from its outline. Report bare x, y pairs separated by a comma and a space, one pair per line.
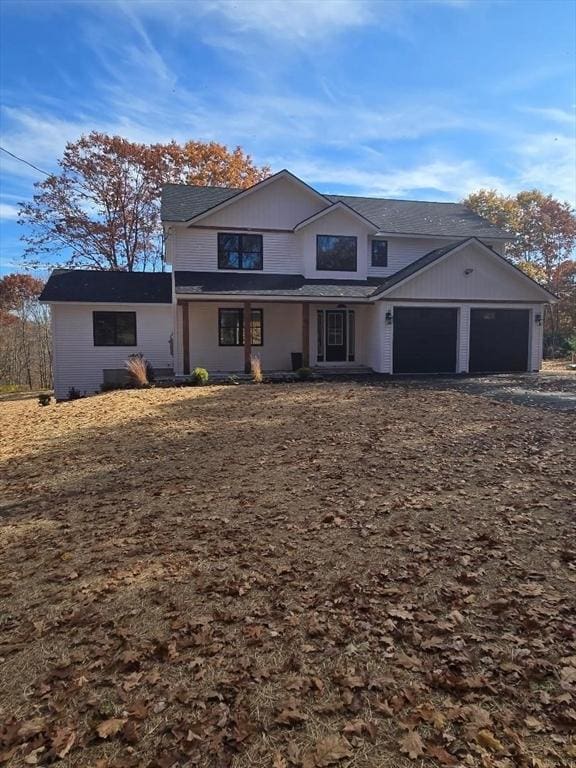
443, 236
289, 297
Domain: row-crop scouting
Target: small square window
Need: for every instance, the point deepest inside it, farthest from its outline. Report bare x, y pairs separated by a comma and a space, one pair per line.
379, 253
114, 329
238, 251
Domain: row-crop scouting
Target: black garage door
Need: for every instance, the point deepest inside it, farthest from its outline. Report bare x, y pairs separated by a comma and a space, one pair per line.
425, 340
499, 340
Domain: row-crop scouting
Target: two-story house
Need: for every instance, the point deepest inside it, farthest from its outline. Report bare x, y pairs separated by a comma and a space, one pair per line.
281, 270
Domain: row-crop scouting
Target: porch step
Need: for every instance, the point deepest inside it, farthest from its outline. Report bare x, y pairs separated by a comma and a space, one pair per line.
220, 376
342, 370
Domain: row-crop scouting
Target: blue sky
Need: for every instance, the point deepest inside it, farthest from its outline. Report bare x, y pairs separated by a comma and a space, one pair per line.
425, 100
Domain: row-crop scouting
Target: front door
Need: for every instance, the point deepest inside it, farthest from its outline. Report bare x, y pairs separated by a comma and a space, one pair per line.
335, 335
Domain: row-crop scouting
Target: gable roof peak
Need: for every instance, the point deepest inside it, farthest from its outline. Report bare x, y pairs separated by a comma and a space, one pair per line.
393, 216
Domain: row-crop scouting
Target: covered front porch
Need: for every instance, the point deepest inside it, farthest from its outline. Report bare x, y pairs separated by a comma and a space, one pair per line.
222, 336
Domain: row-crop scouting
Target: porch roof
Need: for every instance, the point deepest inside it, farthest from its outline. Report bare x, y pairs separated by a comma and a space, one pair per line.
218, 283
95, 286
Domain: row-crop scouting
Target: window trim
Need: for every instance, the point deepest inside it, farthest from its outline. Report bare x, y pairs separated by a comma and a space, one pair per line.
337, 269
241, 236
378, 240
115, 313
240, 311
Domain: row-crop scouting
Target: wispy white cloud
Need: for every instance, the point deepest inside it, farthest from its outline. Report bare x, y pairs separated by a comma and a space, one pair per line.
552, 114
299, 19
547, 161
531, 76
139, 93
8, 211
285, 22
446, 178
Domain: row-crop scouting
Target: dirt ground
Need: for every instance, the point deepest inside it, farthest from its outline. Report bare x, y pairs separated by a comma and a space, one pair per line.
300, 575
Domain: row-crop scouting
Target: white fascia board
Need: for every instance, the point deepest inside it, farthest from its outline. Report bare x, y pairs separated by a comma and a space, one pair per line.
448, 238
272, 298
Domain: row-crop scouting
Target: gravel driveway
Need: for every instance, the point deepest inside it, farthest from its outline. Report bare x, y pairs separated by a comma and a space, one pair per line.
556, 391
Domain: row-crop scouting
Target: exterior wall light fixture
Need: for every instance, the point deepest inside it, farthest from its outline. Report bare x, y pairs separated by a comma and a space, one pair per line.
538, 319
388, 318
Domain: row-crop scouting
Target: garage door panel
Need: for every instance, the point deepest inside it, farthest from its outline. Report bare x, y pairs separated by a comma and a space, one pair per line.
499, 340
425, 339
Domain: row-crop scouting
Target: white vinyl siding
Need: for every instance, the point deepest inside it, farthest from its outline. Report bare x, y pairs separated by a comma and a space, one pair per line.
488, 279
282, 329
401, 252
197, 250
536, 338
280, 205
282, 324
79, 364
335, 223
295, 254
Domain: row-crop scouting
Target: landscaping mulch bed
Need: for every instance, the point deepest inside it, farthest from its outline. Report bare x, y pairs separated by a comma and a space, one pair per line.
300, 575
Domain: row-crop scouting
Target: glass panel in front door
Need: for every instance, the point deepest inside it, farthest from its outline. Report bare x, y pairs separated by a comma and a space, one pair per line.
334, 329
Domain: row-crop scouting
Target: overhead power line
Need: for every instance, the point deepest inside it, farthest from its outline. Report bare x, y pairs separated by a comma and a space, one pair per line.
21, 159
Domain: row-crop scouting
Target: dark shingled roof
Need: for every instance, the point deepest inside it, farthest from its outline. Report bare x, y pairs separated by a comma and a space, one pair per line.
271, 285
406, 217
181, 202
108, 287
419, 217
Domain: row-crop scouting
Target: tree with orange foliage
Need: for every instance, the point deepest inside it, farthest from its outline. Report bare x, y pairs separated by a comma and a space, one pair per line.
101, 211
25, 345
545, 230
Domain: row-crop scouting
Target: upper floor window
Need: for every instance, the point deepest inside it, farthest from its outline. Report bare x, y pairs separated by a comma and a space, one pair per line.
379, 253
336, 253
239, 251
114, 329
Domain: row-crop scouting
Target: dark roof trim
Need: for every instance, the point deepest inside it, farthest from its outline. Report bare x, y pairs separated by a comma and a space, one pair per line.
107, 287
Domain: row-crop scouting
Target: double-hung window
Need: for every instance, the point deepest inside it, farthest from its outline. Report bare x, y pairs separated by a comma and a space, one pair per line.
114, 329
239, 251
231, 328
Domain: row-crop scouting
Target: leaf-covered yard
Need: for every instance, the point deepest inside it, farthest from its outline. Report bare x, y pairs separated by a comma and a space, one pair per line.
287, 576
